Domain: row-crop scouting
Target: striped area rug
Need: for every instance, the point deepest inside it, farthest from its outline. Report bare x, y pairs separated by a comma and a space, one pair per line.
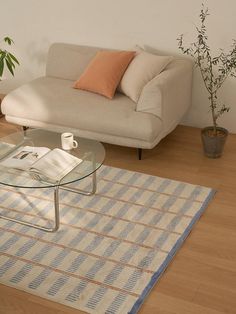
111, 248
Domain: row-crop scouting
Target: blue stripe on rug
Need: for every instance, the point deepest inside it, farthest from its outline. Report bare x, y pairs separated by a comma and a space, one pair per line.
170, 256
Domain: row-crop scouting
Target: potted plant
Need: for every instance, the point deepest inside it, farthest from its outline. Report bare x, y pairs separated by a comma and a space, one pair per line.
7, 59
214, 71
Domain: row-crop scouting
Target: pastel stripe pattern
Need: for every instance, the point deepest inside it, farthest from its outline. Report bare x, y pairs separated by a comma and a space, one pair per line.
111, 248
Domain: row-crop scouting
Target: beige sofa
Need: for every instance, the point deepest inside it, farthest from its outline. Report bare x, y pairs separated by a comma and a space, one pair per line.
50, 102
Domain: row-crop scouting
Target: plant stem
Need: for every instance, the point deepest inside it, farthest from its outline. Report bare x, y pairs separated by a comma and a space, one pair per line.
213, 113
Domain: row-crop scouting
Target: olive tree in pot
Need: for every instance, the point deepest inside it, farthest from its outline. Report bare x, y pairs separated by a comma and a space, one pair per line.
214, 71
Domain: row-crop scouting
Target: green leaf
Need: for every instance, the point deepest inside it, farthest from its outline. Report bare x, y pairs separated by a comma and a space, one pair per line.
10, 61
8, 40
2, 54
13, 58
9, 66
1, 67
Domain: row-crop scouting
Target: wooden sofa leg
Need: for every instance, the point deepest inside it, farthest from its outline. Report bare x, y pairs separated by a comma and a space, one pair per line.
140, 153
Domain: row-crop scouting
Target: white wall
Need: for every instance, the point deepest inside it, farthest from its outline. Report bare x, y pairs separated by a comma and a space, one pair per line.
34, 25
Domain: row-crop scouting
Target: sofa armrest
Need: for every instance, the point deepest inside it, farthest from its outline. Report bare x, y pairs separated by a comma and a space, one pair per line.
169, 94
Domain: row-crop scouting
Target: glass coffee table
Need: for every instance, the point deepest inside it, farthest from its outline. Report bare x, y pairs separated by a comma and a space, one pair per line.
91, 152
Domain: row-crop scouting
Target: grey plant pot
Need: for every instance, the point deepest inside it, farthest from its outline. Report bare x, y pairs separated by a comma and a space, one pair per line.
213, 145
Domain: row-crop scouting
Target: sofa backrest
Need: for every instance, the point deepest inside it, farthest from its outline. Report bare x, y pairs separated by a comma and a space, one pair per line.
68, 61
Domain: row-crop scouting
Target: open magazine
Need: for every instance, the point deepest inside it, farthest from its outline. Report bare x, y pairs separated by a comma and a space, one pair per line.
42, 162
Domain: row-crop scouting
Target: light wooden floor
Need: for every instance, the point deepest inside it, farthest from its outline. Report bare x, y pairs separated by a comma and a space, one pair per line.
202, 277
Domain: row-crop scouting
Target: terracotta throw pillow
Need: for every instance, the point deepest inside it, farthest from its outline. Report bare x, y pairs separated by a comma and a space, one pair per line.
142, 70
104, 72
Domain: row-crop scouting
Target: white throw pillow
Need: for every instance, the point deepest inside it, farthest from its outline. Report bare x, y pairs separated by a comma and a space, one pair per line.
142, 69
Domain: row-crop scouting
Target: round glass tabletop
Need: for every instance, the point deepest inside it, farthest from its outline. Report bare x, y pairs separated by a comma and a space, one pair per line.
92, 154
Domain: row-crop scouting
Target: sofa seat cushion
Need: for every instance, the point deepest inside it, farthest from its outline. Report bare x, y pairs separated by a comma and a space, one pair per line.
55, 101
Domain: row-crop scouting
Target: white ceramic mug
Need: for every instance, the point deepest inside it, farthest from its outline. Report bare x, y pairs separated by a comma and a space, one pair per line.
67, 141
